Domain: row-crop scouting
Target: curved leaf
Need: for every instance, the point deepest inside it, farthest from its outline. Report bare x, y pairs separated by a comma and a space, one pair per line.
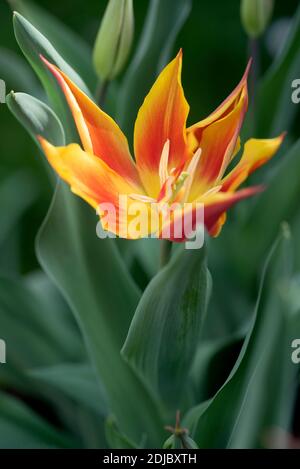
36, 117
275, 110
33, 44
260, 392
62, 38
165, 330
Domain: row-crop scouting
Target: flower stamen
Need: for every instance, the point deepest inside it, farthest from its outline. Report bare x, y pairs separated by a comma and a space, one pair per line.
191, 173
163, 164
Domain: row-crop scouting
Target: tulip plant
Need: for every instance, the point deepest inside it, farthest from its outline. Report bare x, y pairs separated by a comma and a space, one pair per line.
126, 335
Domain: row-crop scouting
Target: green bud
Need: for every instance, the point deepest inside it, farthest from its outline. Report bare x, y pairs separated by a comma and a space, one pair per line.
255, 15
114, 39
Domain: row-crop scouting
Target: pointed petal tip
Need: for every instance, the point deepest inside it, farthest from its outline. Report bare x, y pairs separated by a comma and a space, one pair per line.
43, 142
249, 64
260, 188
283, 135
178, 59
43, 59
51, 67
247, 70
252, 190
48, 64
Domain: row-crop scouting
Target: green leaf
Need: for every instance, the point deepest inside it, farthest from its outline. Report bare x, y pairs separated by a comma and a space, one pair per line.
77, 381
164, 333
213, 362
21, 428
69, 44
163, 23
33, 44
36, 117
115, 438
275, 110
93, 279
261, 389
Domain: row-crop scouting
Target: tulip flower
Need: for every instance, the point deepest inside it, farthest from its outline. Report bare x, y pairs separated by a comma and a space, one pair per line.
174, 164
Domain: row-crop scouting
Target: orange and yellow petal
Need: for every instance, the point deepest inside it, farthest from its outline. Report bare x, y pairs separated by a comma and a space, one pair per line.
91, 179
218, 138
182, 222
99, 133
194, 131
162, 117
219, 142
256, 153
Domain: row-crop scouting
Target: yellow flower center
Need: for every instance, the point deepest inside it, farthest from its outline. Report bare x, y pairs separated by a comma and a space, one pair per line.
173, 188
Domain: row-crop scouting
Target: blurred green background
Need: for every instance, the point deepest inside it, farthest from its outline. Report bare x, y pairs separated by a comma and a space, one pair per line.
216, 50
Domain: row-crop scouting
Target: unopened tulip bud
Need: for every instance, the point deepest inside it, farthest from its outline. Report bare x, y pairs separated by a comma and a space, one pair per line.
255, 15
114, 39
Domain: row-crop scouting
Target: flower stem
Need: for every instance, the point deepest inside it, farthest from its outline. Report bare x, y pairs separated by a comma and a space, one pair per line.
254, 51
101, 92
165, 252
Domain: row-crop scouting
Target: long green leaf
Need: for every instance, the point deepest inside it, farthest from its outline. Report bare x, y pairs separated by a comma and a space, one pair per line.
275, 110
165, 330
69, 45
260, 392
36, 117
213, 362
33, 44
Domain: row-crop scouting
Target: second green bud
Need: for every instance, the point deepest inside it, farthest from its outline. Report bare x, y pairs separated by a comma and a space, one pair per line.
114, 39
